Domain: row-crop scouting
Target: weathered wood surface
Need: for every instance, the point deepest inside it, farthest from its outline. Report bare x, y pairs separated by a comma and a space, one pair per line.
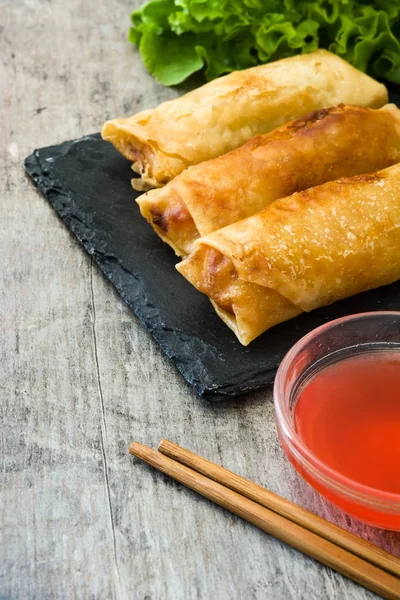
80, 378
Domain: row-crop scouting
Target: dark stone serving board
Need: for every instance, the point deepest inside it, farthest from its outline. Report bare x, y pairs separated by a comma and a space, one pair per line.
87, 182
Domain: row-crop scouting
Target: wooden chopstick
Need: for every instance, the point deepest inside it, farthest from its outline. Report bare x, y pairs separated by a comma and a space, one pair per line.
287, 509
346, 563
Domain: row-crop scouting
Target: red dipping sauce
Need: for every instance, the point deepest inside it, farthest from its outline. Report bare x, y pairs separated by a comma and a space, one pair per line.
348, 414
337, 401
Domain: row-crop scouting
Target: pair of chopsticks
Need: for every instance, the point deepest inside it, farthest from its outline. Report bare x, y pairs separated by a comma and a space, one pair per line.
331, 545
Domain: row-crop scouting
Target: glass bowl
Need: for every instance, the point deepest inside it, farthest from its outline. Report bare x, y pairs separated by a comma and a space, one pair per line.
343, 337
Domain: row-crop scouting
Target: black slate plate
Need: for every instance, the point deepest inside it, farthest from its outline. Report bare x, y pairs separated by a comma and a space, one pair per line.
88, 184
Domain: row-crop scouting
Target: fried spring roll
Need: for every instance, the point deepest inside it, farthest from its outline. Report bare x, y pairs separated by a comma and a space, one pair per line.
223, 114
302, 252
322, 146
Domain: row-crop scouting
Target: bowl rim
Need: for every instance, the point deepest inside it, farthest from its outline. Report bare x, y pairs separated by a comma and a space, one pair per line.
295, 442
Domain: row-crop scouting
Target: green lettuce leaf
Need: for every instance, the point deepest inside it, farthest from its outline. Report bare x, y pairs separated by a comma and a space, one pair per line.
169, 58
177, 38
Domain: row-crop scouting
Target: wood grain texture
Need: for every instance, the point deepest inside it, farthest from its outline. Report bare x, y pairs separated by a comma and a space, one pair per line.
286, 529
277, 504
80, 379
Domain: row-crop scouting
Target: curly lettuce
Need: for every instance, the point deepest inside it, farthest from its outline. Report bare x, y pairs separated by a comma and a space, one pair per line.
177, 38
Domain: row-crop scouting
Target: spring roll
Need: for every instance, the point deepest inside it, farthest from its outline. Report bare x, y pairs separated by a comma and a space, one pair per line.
302, 252
226, 112
322, 146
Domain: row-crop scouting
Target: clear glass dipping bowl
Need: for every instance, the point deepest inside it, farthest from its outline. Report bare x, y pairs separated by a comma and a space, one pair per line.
348, 335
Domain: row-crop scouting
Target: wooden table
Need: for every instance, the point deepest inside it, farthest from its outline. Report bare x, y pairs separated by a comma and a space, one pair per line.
80, 378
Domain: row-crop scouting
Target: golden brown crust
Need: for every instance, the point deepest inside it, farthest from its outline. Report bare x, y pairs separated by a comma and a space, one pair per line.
170, 218
224, 113
322, 146
310, 249
247, 308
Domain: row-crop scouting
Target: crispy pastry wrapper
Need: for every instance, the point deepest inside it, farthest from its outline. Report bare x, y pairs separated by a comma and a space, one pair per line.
302, 252
322, 146
221, 115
